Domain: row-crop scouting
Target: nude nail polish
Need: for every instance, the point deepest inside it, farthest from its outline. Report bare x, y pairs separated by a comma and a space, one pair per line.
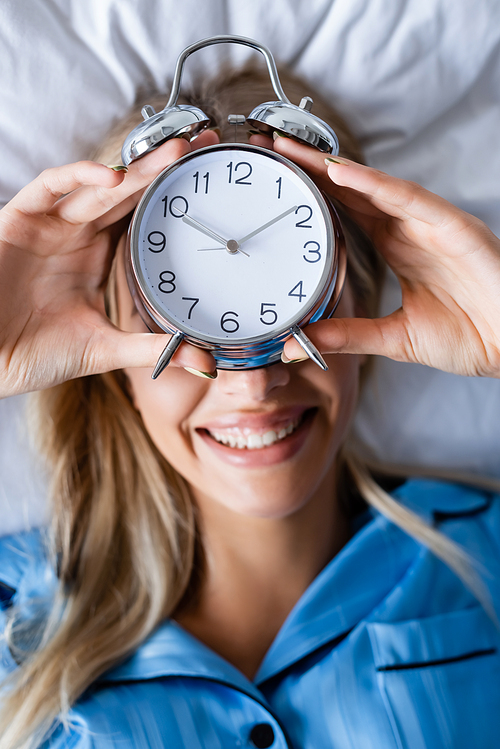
199, 373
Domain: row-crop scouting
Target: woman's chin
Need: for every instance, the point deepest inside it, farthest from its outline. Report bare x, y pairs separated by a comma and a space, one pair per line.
271, 482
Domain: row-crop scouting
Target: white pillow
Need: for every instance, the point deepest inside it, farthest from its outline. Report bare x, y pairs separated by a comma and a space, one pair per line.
419, 83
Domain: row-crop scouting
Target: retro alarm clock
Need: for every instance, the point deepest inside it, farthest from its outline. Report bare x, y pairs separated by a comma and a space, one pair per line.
233, 248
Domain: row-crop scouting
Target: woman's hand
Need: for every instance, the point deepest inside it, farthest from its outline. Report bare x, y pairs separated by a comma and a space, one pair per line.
57, 240
447, 262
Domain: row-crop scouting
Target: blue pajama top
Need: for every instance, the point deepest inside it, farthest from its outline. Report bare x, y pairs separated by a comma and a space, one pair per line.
385, 650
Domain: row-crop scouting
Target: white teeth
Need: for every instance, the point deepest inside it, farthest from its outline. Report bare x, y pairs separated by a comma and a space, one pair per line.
255, 441
269, 437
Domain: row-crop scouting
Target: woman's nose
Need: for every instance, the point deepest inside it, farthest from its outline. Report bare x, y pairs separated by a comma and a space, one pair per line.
254, 384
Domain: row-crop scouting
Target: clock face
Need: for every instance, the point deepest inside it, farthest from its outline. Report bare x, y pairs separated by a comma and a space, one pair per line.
232, 244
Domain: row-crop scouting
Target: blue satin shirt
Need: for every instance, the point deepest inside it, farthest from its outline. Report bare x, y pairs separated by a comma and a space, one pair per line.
385, 650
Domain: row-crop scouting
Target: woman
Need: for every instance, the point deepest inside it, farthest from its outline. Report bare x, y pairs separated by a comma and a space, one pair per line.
208, 594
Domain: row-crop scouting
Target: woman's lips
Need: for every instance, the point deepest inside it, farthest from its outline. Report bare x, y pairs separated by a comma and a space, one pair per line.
260, 440
254, 422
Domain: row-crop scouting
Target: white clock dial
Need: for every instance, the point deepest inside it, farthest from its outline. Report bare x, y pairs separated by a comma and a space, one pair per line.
232, 244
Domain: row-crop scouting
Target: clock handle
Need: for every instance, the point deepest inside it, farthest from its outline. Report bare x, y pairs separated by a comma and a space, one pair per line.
167, 354
227, 39
308, 347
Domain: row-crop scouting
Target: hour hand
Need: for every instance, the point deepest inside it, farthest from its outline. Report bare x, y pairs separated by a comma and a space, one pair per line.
231, 245
201, 227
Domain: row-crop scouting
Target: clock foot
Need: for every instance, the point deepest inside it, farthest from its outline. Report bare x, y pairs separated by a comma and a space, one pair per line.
308, 347
167, 354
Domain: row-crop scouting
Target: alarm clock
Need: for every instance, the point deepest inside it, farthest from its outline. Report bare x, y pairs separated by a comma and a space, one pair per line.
233, 248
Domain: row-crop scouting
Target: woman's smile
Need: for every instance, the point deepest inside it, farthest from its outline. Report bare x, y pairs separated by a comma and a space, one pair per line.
254, 440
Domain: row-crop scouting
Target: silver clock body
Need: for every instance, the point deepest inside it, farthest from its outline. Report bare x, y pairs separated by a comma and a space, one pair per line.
170, 253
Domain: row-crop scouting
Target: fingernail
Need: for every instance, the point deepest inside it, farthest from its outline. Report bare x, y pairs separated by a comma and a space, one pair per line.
286, 360
338, 160
255, 132
119, 168
184, 136
277, 135
199, 373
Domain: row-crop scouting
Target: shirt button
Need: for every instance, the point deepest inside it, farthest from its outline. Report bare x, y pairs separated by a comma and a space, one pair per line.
262, 735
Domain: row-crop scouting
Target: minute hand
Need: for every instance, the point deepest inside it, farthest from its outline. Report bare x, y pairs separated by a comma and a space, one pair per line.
266, 226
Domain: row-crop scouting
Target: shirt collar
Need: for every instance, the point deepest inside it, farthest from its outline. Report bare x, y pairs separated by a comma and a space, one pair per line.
357, 579
172, 651
347, 589
436, 500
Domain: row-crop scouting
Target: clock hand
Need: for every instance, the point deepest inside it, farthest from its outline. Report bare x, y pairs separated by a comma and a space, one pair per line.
229, 244
201, 227
269, 223
232, 247
248, 236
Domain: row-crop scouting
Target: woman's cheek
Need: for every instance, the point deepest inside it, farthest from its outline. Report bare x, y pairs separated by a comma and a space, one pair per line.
167, 403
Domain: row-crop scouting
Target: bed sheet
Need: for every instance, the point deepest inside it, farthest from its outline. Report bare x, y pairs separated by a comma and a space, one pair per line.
419, 81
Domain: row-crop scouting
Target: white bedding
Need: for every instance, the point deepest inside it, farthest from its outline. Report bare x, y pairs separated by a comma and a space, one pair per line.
419, 80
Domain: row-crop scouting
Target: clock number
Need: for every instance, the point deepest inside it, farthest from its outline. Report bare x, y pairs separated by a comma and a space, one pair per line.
184, 208
297, 291
196, 177
273, 314
302, 224
312, 252
191, 299
240, 180
166, 282
278, 182
229, 324
161, 243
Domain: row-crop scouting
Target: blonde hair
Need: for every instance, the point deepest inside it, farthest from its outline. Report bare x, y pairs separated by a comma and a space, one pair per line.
124, 534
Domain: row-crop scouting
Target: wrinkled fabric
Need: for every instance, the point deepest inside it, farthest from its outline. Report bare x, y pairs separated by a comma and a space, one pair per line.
385, 649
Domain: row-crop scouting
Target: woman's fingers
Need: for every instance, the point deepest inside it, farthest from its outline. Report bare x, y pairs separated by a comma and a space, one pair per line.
52, 359
394, 197
394, 337
39, 196
389, 195
107, 206
90, 203
383, 336
263, 141
120, 350
204, 139
449, 343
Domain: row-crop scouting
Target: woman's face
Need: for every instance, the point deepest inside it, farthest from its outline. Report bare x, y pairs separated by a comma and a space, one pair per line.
260, 442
